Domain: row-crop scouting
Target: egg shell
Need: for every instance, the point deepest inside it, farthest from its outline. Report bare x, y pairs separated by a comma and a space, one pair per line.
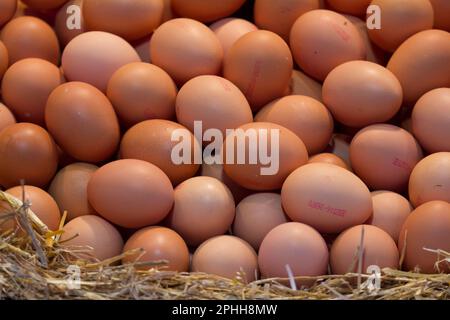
229, 30
168, 13
427, 227
330, 158
93, 57
27, 152
290, 152
356, 7
303, 85
7, 10
35, 77
203, 208
6, 117
430, 120
152, 141
260, 65
30, 37
82, 121
186, 48
159, 243
205, 10
44, 4
308, 118
131, 193
322, 39
142, 91
430, 179
4, 60
379, 249
228, 257
360, 93
383, 156
326, 197
256, 215
65, 14
424, 56
441, 14
69, 189
97, 234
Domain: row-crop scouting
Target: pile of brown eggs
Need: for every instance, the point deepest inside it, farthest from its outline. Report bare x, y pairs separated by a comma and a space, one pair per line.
92, 92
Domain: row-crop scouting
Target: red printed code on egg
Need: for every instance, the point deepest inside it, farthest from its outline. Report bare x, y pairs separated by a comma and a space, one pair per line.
326, 208
401, 164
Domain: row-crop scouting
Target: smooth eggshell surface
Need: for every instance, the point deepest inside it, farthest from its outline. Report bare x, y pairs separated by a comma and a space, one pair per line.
229, 30
206, 10
7, 10
6, 117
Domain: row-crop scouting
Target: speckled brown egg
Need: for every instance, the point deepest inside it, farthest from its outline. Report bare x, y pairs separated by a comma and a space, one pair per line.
441, 14
206, 10
65, 14
44, 4
303, 85
7, 10
229, 30
355, 7
330, 158
6, 117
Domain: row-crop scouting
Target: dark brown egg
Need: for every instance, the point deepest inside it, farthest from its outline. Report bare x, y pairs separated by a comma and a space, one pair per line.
66, 14
44, 4
441, 14
356, 7
7, 10
205, 10
6, 117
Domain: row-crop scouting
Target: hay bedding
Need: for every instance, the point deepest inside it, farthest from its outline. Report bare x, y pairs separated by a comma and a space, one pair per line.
36, 266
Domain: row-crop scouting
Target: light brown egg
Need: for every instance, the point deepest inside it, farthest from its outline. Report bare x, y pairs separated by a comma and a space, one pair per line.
44, 4
95, 235
330, 158
27, 152
308, 118
383, 156
424, 56
303, 85
4, 60
378, 249
159, 243
206, 10
186, 48
322, 39
399, 20
203, 208
430, 120
285, 152
228, 257
260, 64
152, 141
229, 30
360, 93
30, 37
26, 87
214, 101
142, 91
441, 14
69, 189
6, 117
279, 16
430, 179
390, 211
82, 121
131, 193
427, 227
64, 15
7, 10
130, 21
256, 215
296, 247
93, 57
326, 197
340, 146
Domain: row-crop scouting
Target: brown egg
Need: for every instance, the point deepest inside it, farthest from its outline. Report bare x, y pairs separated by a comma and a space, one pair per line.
427, 227
260, 64
82, 121
279, 16
383, 156
430, 179
69, 189
326, 197
330, 158
322, 39
356, 7
378, 249
203, 208
93, 57
256, 215
296, 247
159, 243
142, 48
303, 85
284, 150
4, 60
37, 78
131, 193
424, 56
30, 37
66, 14
441, 14
214, 101
229, 30
6, 117
141, 91
98, 236
152, 141
186, 48
399, 20
168, 13
7, 10
308, 118
205, 10
431, 121
340, 146
390, 211
228, 257
360, 93
27, 152
130, 21
44, 4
